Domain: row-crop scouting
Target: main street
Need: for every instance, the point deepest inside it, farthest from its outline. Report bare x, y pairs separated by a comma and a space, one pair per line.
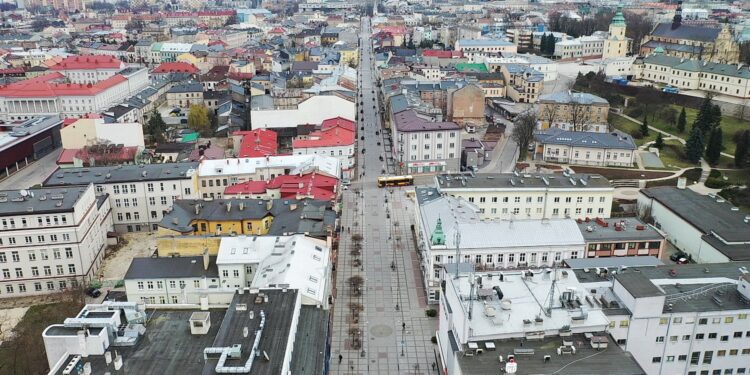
392, 326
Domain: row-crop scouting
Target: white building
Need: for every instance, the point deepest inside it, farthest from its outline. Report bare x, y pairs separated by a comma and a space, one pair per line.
707, 228
531, 196
51, 239
243, 262
484, 47
420, 144
86, 132
445, 223
615, 149
525, 322
139, 194
538, 63
51, 94
89, 69
691, 319
313, 110
213, 176
582, 47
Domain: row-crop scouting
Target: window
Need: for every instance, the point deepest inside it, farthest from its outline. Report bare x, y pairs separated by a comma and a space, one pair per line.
708, 356
196, 283
72, 269
59, 269
140, 285
34, 271
3, 258
712, 335
729, 320
14, 255
699, 336
225, 273
47, 271
663, 321
68, 253
655, 359
682, 358
702, 321
624, 323
695, 358
172, 284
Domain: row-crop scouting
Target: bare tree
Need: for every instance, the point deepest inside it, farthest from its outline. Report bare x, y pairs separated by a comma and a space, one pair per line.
580, 115
523, 132
549, 113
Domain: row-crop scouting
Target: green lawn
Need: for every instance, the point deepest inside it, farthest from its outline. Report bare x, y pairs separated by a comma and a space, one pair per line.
673, 155
729, 126
629, 127
737, 176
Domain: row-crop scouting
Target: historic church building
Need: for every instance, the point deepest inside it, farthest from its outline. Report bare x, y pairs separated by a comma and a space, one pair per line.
692, 41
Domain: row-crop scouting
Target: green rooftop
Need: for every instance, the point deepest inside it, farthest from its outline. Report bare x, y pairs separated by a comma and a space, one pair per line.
471, 68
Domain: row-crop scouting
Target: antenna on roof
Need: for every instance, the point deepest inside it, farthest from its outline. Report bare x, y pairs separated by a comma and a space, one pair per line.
458, 248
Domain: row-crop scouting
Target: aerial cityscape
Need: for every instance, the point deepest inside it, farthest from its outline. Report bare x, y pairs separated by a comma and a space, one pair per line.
406, 187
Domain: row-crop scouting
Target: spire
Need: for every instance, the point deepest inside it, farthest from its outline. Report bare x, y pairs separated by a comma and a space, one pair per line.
677, 20
438, 237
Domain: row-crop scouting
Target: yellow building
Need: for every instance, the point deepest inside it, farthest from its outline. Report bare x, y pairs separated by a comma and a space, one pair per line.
349, 55
193, 225
574, 111
616, 44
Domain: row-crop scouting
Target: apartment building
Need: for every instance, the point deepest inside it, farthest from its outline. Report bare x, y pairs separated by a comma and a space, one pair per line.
620, 238
531, 196
689, 319
213, 176
524, 84
576, 111
475, 48
51, 239
173, 280
184, 95
420, 144
718, 78
139, 195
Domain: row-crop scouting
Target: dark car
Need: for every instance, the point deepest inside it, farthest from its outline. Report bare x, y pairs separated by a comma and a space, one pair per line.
676, 256
362, 138
363, 150
93, 292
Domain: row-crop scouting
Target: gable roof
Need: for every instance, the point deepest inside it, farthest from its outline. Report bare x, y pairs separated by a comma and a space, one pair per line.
689, 32
613, 140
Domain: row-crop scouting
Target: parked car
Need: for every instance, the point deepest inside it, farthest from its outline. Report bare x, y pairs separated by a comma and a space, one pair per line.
676, 256
93, 292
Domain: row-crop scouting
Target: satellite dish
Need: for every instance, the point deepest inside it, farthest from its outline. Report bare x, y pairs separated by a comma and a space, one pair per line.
24, 193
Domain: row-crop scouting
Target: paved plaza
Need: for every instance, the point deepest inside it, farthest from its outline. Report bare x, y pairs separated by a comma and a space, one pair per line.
394, 331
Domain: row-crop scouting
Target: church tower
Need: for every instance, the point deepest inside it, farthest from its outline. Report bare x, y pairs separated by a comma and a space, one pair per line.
616, 44
726, 50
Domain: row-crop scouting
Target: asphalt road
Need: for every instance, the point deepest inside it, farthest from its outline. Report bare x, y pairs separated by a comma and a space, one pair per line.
32, 174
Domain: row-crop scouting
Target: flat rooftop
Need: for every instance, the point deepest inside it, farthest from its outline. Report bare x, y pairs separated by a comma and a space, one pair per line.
611, 263
524, 300
120, 173
586, 361
168, 347
709, 215
495, 181
620, 229
39, 201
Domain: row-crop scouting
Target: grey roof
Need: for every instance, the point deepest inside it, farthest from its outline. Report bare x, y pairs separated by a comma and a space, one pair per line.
399, 104
447, 181
713, 217
587, 361
638, 285
171, 268
566, 97
312, 334
409, 121
709, 67
279, 312
613, 262
168, 347
186, 87
592, 232
44, 200
653, 44
689, 32
312, 217
120, 173
614, 140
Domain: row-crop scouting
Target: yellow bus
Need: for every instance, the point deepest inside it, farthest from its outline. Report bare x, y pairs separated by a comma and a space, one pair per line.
384, 181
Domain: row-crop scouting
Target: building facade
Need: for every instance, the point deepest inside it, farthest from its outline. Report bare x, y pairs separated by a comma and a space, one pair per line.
140, 195
531, 196
615, 149
423, 146
52, 239
575, 111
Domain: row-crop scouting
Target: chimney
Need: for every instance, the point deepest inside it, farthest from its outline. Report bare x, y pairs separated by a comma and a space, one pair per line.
292, 206
242, 206
269, 205
205, 259
197, 209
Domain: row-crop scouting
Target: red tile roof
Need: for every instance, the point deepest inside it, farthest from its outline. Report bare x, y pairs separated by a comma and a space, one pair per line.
44, 87
443, 54
175, 67
333, 132
124, 154
257, 143
88, 63
312, 185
